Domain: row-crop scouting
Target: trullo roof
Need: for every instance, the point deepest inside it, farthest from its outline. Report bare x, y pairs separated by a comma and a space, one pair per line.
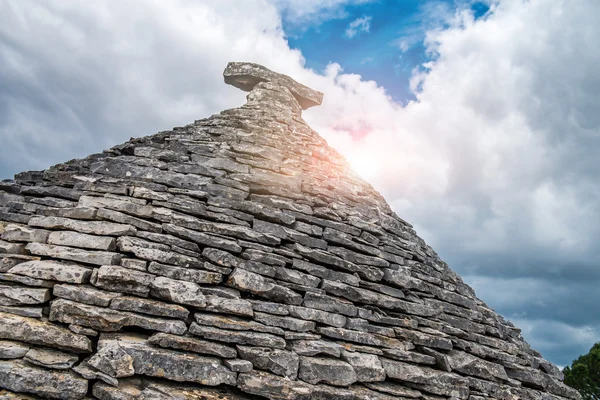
238, 257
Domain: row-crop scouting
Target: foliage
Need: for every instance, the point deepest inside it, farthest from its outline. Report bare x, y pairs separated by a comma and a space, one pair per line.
584, 374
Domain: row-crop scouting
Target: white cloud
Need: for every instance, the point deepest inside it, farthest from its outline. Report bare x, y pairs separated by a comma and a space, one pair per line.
303, 13
432, 15
359, 25
495, 163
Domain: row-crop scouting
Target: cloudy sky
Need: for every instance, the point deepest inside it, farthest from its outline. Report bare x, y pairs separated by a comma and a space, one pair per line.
479, 121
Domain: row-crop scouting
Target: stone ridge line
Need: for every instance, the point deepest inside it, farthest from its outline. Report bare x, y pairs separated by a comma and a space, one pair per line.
238, 257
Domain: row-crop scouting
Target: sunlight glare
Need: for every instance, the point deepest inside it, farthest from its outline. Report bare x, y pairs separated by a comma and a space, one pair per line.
367, 165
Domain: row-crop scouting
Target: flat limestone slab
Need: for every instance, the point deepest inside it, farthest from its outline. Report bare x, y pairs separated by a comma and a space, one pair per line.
18, 376
34, 331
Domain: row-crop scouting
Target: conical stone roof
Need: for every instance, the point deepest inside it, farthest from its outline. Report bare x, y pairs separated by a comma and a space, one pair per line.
238, 257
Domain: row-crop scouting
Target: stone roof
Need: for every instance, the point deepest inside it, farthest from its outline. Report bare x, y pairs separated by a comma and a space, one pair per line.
238, 257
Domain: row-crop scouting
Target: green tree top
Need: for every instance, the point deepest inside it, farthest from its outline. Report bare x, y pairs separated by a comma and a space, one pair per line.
584, 374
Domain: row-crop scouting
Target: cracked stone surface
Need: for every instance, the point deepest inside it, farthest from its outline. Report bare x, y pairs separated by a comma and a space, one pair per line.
238, 257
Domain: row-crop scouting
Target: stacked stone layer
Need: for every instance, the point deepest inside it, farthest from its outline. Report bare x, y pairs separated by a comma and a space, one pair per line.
238, 257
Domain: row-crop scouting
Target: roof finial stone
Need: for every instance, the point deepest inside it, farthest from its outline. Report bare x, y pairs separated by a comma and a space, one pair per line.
246, 76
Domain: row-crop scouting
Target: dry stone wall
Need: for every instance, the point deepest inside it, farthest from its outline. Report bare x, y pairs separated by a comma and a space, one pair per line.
238, 257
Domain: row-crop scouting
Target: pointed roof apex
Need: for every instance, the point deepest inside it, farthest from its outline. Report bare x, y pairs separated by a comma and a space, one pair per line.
245, 75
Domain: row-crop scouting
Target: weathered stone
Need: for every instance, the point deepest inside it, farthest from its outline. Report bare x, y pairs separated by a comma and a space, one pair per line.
220, 291
83, 240
195, 345
184, 274
169, 240
53, 271
112, 360
123, 218
270, 308
107, 320
15, 295
322, 272
280, 362
290, 323
147, 306
272, 386
286, 233
290, 275
431, 380
11, 349
238, 337
320, 256
538, 379
424, 339
309, 229
33, 312
181, 292
51, 191
124, 280
81, 330
330, 304
20, 377
266, 258
176, 366
25, 280
8, 395
131, 244
92, 227
358, 258
7, 261
221, 257
156, 252
119, 204
387, 290
394, 389
31, 330
85, 294
362, 325
333, 372
470, 365
246, 75
347, 239
89, 372
259, 268
318, 316
18, 233
373, 298
371, 339
76, 213
73, 254
219, 228
247, 281
368, 368
550, 368
324, 392
409, 356
239, 365
235, 323
128, 389
11, 248
380, 318
132, 263
315, 347
202, 238
229, 306
50, 358
290, 335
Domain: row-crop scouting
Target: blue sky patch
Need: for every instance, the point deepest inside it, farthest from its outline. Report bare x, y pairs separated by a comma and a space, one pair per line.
390, 50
